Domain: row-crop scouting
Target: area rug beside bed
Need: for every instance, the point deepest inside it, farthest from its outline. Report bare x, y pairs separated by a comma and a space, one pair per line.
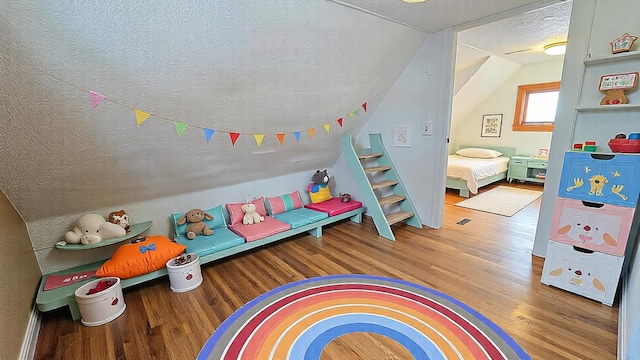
296, 321
502, 200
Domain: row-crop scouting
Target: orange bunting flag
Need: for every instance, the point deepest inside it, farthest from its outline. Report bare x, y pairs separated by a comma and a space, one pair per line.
340, 122
259, 138
364, 106
280, 138
180, 128
326, 127
312, 132
141, 116
234, 137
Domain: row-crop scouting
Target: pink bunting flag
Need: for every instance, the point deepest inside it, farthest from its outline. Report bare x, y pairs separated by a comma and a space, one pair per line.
95, 99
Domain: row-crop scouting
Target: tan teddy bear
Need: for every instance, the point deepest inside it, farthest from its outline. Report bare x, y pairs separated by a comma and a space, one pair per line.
250, 214
195, 218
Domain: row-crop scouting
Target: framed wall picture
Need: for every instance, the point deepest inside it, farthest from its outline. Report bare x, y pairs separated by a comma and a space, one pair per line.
491, 125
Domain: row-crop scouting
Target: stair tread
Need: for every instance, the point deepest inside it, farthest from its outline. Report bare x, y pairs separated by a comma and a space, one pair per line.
398, 216
384, 183
391, 199
369, 155
376, 168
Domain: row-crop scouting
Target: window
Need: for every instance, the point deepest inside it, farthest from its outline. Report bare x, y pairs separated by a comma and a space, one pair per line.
536, 107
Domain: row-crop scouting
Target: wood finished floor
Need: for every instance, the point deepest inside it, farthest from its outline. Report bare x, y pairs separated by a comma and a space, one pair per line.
486, 264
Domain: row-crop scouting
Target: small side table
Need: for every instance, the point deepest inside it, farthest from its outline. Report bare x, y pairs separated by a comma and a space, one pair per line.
527, 168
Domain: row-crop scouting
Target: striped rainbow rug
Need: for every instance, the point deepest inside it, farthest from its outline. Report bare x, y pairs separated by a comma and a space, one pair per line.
296, 321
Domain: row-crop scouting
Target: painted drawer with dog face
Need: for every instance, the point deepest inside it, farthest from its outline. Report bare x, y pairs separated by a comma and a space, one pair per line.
594, 226
590, 274
602, 178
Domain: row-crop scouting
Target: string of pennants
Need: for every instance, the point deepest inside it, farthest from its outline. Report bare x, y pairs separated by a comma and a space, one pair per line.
181, 127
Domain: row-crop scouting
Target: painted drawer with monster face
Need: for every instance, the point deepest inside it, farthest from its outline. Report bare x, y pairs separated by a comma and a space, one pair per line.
590, 274
594, 226
602, 178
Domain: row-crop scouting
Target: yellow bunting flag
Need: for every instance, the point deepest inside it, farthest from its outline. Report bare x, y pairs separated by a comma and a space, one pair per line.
141, 116
180, 128
312, 132
259, 138
326, 127
280, 138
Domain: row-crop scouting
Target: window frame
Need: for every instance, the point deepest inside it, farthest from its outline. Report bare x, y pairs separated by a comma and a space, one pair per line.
521, 105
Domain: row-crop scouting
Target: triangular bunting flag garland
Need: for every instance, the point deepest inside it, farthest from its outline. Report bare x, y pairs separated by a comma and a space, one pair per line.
312, 132
354, 113
95, 99
280, 138
326, 127
364, 106
297, 135
259, 138
208, 133
141, 116
234, 137
180, 128
340, 122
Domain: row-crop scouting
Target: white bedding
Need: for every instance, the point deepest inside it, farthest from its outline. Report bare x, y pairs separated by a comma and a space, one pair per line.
473, 169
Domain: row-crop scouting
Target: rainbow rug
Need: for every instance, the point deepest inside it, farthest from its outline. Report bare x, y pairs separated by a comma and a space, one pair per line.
296, 321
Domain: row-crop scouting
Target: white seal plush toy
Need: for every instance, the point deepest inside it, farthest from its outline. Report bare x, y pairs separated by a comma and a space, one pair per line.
91, 229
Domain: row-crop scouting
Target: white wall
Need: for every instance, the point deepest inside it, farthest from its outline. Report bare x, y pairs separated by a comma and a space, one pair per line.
493, 90
421, 93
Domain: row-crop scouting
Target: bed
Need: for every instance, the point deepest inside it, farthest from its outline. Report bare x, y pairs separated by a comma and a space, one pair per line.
468, 174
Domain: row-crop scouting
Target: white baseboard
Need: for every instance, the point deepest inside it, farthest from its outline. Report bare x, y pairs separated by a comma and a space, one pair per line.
622, 312
31, 335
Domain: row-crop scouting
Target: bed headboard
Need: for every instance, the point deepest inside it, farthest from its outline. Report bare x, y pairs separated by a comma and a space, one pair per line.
506, 151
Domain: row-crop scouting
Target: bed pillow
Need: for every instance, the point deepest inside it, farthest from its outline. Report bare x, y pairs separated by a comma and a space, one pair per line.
279, 204
236, 214
141, 258
479, 153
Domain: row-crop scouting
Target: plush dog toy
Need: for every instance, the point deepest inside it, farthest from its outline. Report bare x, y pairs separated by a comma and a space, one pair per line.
250, 214
121, 219
91, 229
195, 218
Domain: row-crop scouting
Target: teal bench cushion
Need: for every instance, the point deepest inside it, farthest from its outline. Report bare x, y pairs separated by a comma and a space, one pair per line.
218, 220
222, 239
300, 217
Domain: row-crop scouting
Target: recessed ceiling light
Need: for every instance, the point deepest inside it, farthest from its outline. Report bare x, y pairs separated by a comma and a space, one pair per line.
414, 1
556, 48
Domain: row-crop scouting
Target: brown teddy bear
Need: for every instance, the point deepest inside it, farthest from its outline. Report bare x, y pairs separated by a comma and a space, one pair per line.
195, 218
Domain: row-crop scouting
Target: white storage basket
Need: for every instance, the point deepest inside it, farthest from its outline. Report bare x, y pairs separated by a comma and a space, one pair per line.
184, 277
101, 307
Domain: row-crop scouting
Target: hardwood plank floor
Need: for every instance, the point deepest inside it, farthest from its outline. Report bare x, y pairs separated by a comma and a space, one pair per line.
486, 263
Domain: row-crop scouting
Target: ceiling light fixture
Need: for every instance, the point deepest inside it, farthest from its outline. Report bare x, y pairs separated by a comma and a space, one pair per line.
414, 1
556, 48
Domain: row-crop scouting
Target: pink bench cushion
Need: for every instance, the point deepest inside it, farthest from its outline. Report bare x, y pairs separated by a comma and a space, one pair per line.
253, 232
334, 206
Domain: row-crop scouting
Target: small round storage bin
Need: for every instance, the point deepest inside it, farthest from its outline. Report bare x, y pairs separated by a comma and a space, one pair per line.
103, 306
184, 272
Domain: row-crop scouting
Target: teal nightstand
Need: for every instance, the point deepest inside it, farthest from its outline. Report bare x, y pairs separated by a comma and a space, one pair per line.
527, 168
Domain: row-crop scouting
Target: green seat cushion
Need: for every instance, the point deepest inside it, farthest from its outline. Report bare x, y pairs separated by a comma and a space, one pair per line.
300, 217
222, 239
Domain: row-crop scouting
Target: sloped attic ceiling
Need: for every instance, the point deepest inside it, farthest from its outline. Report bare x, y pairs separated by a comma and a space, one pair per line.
248, 67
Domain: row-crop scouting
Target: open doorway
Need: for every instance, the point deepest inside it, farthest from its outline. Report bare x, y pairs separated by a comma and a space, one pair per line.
492, 61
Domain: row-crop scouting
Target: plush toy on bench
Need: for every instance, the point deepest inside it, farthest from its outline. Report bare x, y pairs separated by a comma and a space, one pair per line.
318, 189
196, 225
250, 214
91, 229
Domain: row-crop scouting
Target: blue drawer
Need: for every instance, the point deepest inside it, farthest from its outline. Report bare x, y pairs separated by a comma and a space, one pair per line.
601, 178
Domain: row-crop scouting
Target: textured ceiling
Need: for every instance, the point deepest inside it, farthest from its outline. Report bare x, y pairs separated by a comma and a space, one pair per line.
519, 38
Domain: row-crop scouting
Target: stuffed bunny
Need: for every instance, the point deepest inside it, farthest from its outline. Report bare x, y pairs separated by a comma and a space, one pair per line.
250, 214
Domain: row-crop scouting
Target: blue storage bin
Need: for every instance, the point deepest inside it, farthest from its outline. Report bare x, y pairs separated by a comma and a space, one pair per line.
601, 178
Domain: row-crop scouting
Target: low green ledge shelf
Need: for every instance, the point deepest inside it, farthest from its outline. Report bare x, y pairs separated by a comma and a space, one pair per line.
136, 230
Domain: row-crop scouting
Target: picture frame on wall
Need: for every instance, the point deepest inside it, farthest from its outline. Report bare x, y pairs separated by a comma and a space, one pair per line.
491, 125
